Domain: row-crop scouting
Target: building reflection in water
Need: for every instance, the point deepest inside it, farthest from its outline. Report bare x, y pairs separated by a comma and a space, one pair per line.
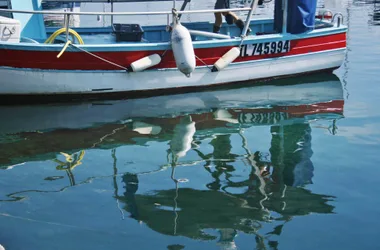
271, 192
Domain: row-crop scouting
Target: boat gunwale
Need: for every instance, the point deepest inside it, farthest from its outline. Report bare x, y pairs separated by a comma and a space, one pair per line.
43, 12
156, 46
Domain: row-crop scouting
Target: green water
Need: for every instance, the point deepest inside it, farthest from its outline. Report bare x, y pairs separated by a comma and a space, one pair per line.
289, 166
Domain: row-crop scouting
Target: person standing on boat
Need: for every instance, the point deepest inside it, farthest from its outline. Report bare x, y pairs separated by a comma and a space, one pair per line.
230, 17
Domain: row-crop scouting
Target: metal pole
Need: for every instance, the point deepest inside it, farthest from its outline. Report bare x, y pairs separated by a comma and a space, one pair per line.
67, 24
183, 7
284, 16
249, 17
112, 11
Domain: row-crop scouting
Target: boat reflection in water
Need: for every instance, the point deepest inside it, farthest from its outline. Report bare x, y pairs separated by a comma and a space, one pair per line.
374, 13
231, 201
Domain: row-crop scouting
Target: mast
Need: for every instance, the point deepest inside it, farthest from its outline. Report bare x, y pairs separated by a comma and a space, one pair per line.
112, 11
253, 7
284, 16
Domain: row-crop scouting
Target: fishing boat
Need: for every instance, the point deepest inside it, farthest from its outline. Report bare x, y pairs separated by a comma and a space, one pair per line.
37, 63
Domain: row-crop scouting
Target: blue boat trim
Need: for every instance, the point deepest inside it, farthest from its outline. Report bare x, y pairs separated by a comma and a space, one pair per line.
166, 45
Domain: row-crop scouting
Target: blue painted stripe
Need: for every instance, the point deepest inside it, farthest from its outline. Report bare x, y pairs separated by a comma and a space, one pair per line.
166, 45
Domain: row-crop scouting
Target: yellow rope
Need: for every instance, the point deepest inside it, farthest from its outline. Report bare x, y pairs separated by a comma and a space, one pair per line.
62, 30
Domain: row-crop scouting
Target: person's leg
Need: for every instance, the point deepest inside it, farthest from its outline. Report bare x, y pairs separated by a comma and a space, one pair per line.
218, 22
219, 4
232, 18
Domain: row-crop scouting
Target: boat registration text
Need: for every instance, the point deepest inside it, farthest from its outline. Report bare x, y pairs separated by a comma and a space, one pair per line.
267, 48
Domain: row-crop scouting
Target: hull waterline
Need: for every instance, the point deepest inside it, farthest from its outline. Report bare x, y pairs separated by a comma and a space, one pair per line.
37, 84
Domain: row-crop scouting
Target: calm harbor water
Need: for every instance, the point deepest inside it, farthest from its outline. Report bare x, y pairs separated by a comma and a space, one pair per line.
293, 165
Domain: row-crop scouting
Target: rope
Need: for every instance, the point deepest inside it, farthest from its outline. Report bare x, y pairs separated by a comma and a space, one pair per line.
100, 58
164, 53
203, 62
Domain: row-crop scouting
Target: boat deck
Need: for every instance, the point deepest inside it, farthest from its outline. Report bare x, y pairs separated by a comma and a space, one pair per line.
158, 33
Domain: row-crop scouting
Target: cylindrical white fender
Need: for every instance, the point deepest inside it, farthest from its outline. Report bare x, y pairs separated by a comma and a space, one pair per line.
182, 137
226, 59
183, 49
145, 62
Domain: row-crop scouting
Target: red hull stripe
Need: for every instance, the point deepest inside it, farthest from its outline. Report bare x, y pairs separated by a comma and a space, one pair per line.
82, 61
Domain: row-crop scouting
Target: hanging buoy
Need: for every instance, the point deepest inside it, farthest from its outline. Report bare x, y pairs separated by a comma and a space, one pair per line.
183, 50
226, 59
146, 62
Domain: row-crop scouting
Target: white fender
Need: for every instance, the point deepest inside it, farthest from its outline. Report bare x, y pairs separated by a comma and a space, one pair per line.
183, 49
145, 62
182, 137
226, 59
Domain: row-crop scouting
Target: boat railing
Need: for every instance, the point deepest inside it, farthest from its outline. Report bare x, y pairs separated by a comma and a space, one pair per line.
173, 12
123, 13
68, 14
339, 17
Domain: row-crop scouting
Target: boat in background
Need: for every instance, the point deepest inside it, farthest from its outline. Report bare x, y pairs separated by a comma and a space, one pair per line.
58, 20
37, 62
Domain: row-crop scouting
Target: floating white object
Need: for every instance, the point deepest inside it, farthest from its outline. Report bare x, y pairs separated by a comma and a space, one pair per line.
2, 248
182, 137
183, 49
146, 129
146, 62
226, 59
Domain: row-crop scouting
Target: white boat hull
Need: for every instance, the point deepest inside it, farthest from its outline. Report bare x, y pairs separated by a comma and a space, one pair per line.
51, 82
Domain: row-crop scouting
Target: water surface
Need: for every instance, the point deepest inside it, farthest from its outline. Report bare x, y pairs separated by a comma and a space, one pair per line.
293, 165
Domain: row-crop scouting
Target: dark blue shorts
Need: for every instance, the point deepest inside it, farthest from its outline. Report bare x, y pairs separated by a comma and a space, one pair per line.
222, 4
